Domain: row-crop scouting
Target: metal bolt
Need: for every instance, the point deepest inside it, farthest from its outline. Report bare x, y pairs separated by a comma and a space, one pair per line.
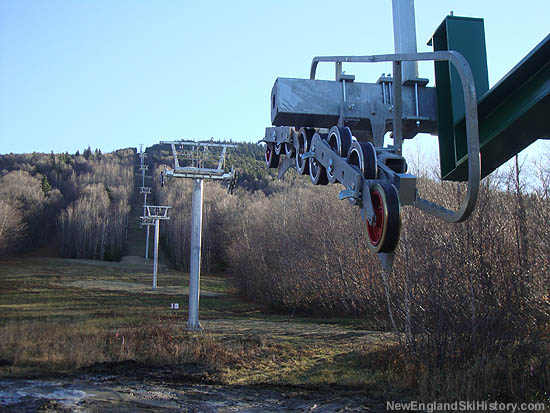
330, 166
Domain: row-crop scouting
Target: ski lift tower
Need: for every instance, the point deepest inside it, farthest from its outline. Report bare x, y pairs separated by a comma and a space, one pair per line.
199, 161
145, 190
153, 215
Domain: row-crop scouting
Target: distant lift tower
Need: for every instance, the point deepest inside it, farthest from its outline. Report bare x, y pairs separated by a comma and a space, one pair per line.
201, 161
145, 190
153, 216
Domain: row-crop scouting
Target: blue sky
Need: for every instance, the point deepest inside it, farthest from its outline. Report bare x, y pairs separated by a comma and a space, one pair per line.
114, 74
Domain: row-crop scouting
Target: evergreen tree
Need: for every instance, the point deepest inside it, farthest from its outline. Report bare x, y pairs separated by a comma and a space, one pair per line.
45, 185
87, 153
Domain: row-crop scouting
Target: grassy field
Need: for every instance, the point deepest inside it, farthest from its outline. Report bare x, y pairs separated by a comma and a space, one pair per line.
64, 316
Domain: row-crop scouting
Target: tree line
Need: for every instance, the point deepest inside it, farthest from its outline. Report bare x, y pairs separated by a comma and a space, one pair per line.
78, 202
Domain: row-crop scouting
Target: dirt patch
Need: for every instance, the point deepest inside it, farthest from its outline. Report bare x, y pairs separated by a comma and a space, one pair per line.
134, 287
110, 393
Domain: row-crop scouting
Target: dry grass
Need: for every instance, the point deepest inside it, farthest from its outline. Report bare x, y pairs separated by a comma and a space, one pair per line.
51, 324
53, 346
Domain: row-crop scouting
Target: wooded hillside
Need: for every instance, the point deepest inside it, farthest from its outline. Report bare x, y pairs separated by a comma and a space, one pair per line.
80, 203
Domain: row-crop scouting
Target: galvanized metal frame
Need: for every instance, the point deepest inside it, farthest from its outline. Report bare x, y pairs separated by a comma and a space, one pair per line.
198, 174
153, 215
157, 211
367, 108
404, 35
472, 131
143, 190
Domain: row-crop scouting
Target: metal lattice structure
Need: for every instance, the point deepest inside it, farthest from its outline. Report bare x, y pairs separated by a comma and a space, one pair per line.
198, 161
153, 215
145, 191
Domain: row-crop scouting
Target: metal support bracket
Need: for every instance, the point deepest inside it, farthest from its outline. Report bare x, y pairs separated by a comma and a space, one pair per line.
472, 131
284, 166
351, 194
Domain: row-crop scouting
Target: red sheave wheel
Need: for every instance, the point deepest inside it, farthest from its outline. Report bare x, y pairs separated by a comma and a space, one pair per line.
383, 233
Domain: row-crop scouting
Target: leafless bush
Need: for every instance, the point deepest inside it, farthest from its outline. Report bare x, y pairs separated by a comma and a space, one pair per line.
301, 250
460, 294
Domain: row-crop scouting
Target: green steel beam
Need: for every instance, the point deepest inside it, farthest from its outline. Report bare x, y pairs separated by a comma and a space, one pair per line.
512, 115
465, 35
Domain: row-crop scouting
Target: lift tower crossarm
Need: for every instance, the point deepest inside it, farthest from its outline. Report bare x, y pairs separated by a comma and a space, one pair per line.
196, 169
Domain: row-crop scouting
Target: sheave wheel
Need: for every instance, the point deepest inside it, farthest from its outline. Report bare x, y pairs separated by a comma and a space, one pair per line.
304, 142
279, 148
362, 156
339, 139
271, 158
383, 233
317, 171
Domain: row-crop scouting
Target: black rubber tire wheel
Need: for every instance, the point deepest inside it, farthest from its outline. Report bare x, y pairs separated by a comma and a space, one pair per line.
304, 142
271, 158
317, 172
383, 234
362, 156
340, 140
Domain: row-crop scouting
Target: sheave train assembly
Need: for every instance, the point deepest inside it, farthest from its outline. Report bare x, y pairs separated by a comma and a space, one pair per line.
334, 131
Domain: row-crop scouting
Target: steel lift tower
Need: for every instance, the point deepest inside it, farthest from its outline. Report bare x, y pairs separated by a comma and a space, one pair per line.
197, 161
152, 217
145, 190
334, 130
